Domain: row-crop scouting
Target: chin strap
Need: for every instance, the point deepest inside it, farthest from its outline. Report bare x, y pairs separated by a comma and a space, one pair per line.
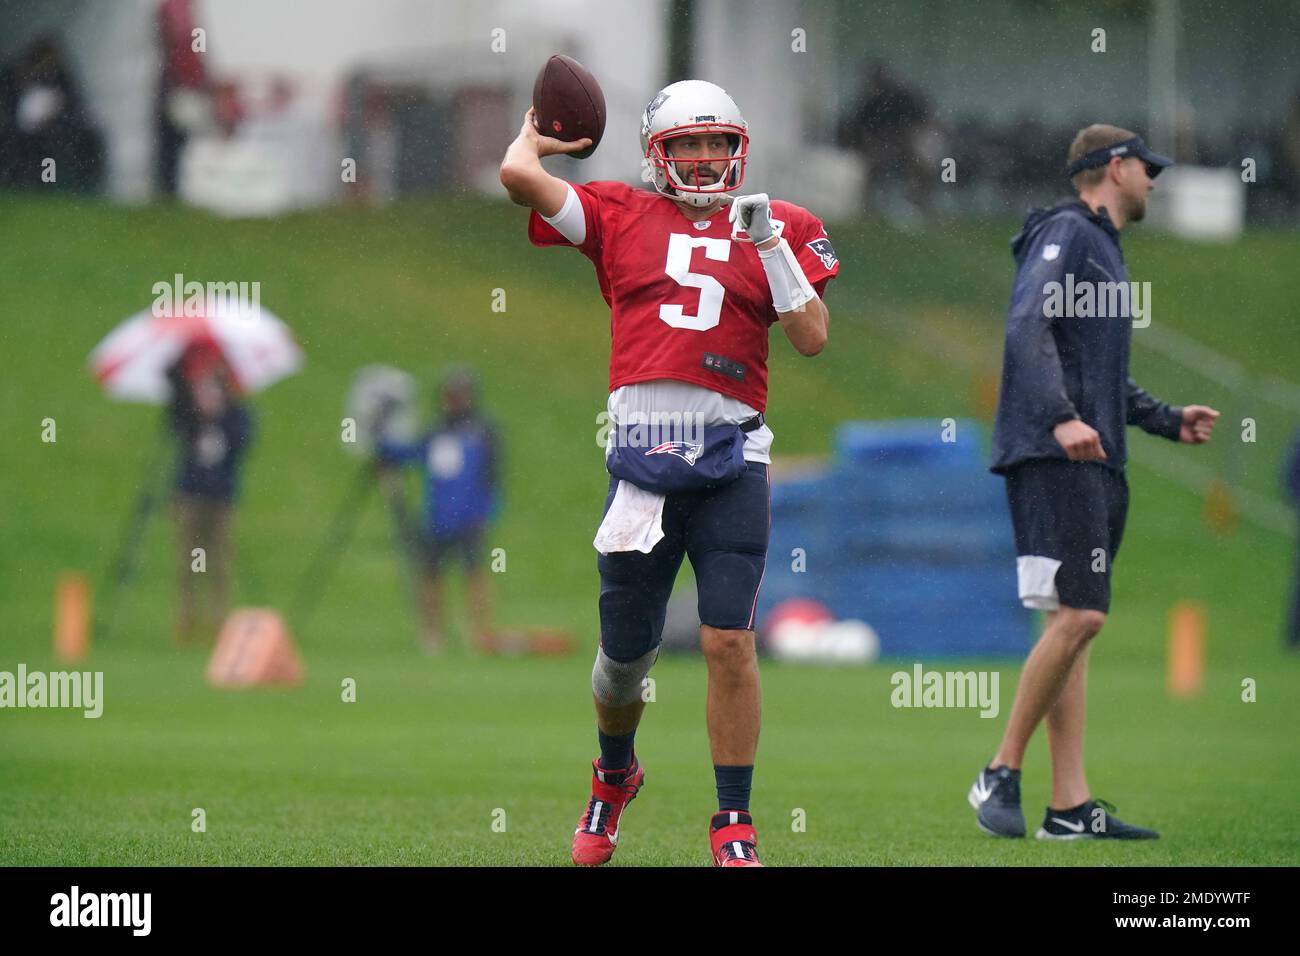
693, 199
791, 290
649, 175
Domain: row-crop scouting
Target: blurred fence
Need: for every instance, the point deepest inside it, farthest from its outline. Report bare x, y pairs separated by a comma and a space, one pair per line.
1240, 472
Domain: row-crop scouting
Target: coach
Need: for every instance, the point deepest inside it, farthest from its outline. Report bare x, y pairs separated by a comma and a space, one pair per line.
1059, 441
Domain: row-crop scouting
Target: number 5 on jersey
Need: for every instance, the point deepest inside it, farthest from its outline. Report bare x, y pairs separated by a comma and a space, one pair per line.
678, 268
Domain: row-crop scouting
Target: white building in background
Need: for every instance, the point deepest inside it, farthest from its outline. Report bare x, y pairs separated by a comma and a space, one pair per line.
793, 66
446, 45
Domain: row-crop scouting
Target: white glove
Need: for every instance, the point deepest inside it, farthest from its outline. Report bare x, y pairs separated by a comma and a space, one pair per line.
753, 216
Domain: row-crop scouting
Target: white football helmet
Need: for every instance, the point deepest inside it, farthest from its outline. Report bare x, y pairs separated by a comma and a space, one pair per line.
682, 109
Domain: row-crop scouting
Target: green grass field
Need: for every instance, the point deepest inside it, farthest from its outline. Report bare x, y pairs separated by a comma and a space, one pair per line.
416, 770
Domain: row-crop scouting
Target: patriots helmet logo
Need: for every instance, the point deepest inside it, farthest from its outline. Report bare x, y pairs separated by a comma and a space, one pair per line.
687, 451
651, 108
824, 251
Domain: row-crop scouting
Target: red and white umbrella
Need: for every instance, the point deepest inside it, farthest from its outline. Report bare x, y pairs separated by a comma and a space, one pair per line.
131, 362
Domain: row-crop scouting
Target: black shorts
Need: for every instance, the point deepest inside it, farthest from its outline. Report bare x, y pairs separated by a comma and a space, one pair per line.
1069, 519
724, 532
467, 544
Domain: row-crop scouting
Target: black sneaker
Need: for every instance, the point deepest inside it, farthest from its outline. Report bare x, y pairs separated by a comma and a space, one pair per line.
995, 795
1094, 820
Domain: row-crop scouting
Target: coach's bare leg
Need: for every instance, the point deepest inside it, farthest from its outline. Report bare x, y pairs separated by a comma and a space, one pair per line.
1045, 673
735, 698
1065, 720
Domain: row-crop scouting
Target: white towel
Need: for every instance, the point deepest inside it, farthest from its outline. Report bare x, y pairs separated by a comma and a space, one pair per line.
634, 521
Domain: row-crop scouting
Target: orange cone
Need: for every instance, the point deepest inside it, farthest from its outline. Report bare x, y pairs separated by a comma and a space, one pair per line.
254, 647
71, 618
1186, 671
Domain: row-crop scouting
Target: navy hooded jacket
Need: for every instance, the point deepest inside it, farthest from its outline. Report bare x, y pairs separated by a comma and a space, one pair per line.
1063, 367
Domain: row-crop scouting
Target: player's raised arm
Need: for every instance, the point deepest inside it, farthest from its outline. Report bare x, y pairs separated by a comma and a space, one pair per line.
803, 315
806, 326
527, 183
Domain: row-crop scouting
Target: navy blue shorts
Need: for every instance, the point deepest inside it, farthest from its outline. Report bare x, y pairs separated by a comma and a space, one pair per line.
1069, 519
724, 532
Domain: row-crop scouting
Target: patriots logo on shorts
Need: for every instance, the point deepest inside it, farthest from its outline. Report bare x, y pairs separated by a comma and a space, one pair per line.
687, 451
824, 251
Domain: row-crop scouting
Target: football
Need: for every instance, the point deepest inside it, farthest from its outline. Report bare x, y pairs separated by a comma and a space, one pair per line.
569, 102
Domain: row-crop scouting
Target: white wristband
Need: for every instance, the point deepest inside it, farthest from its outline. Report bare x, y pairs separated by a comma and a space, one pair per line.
571, 220
790, 287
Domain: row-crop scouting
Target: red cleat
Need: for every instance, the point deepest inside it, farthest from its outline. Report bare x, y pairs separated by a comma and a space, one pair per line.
597, 834
732, 837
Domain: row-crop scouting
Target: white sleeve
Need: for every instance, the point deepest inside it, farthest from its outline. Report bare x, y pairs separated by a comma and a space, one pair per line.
791, 289
571, 220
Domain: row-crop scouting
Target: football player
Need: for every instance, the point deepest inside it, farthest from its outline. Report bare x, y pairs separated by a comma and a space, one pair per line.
694, 276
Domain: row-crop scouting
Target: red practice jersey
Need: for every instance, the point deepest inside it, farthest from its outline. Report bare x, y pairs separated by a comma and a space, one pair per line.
686, 302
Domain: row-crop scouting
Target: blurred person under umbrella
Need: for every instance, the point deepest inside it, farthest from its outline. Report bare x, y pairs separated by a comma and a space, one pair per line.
214, 430
460, 456
197, 365
131, 363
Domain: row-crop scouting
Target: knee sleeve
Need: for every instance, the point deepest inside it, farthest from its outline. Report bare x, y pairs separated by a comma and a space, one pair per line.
618, 683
